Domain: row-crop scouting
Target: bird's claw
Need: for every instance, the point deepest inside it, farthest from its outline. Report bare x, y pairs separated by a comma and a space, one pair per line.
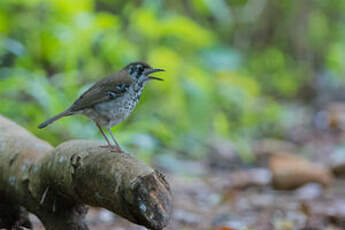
114, 148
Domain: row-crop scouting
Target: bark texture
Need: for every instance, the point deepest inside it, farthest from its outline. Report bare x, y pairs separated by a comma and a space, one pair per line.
57, 183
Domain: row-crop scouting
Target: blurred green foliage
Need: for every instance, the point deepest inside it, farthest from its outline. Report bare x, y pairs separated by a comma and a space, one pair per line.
231, 65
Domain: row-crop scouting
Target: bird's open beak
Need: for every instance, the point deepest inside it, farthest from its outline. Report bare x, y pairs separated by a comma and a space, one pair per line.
155, 78
154, 71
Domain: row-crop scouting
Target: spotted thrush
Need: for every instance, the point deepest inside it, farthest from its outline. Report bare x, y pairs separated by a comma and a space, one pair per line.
110, 101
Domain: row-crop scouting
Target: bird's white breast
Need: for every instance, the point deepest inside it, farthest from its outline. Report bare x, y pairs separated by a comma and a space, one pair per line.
117, 110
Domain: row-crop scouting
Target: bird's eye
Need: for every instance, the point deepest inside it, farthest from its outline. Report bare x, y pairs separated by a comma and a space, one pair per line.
140, 69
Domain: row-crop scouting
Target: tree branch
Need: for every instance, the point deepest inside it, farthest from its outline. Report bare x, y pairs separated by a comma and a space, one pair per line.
55, 183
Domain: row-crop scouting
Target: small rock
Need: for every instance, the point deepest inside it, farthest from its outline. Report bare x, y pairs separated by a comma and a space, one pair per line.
309, 191
290, 171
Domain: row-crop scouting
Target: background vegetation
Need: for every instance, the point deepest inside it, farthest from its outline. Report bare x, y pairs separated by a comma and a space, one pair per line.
236, 69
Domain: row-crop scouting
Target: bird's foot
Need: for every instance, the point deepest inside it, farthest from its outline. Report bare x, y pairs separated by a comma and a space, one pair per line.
114, 148
117, 149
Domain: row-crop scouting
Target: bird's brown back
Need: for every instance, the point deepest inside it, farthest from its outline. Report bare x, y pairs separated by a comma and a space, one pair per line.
98, 93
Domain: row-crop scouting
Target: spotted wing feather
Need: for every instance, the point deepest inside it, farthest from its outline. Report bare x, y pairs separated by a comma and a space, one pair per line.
103, 91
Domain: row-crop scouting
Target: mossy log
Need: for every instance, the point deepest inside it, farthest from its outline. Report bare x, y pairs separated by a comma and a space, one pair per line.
56, 184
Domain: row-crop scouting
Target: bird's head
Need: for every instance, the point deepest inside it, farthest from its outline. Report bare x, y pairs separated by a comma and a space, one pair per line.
140, 72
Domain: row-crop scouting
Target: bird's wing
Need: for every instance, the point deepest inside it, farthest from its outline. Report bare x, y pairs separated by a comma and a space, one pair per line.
106, 89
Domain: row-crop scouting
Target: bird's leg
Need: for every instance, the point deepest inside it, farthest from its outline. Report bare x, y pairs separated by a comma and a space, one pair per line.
100, 129
117, 146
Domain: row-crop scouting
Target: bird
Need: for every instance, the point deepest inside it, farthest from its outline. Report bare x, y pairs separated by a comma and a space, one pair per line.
111, 100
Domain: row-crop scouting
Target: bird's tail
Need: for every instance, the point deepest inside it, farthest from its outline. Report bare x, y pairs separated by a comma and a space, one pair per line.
56, 117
